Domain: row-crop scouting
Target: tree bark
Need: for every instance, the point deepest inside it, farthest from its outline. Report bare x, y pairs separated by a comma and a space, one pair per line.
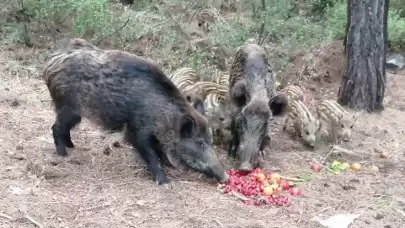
363, 85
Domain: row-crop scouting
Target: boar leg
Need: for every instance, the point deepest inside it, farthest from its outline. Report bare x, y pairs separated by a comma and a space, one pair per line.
234, 143
265, 145
66, 119
145, 146
287, 119
73, 122
332, 134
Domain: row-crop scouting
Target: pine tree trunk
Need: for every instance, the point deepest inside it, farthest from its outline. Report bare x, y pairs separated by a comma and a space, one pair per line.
363, 86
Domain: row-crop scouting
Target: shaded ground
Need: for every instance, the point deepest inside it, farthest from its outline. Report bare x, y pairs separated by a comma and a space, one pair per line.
99, 186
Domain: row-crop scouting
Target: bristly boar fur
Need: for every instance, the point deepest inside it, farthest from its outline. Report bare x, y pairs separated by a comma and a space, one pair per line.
254, 101
116, 89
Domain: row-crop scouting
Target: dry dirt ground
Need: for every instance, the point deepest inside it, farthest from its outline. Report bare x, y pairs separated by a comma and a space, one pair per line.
99, 186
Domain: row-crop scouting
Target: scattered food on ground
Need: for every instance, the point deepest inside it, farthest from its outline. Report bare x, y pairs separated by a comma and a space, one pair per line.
259, 188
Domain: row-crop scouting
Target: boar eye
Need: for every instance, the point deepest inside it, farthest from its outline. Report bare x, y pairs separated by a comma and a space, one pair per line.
351, 126
200, 144
342, 126
306, 132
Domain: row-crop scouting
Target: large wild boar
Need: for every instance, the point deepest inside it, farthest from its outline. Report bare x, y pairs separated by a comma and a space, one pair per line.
118, 91
253, 102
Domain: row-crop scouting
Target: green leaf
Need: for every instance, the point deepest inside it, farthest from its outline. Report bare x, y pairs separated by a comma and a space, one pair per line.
335, 164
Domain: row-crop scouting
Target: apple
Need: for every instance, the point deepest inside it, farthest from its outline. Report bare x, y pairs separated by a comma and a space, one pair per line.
285, 185
295, 191
275, 177
260, 177
356, 166
267, 191
316, 167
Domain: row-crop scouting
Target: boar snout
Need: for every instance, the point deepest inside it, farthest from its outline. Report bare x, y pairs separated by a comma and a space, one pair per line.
219, 173
246, 166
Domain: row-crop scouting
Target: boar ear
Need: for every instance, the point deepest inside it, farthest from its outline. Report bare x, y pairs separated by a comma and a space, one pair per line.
199, 106
238, 94
186, 126
278, 104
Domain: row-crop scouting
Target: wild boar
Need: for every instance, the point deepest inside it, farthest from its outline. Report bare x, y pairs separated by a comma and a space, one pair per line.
122, 91
253, 102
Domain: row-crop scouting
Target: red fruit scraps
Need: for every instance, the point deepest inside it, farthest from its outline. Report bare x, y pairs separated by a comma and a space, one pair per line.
246, 187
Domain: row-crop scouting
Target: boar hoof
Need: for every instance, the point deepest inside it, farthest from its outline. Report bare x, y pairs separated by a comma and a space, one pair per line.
168, 185
224, 179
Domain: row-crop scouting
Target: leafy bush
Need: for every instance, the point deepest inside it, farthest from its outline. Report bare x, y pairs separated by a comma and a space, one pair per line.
289, 25
85, 16
396, 30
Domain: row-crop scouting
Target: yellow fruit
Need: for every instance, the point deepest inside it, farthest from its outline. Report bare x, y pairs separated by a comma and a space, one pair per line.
356, 166
374, 168
274, 186
260, 177
275, 177
267, 191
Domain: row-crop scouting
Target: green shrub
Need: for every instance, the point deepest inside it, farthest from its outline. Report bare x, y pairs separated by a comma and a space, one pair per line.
289, 25
336, 19
396, 29
87, 17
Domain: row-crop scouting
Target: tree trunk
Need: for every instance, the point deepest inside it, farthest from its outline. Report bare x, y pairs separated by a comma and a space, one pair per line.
363, 85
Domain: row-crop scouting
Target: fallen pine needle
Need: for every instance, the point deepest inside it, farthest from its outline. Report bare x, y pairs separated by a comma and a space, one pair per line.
322, 165
400, 212
6, 216
239, 196
29, 218
292, 179
341, 149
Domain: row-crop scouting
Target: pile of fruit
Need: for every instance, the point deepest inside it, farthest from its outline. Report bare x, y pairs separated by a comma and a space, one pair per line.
259, 188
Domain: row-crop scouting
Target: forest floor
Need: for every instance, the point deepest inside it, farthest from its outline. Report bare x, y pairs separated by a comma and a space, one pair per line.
91, 188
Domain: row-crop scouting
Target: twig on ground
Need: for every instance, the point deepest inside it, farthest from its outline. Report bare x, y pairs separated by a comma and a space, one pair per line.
239, 196
35, 222
322, 165
292, 179
129, 223
115, 32
399, 211
330, 152
127, 147
400, 199
219, 222
325, 209
336, 148
95, 207
3, 215
301, 211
